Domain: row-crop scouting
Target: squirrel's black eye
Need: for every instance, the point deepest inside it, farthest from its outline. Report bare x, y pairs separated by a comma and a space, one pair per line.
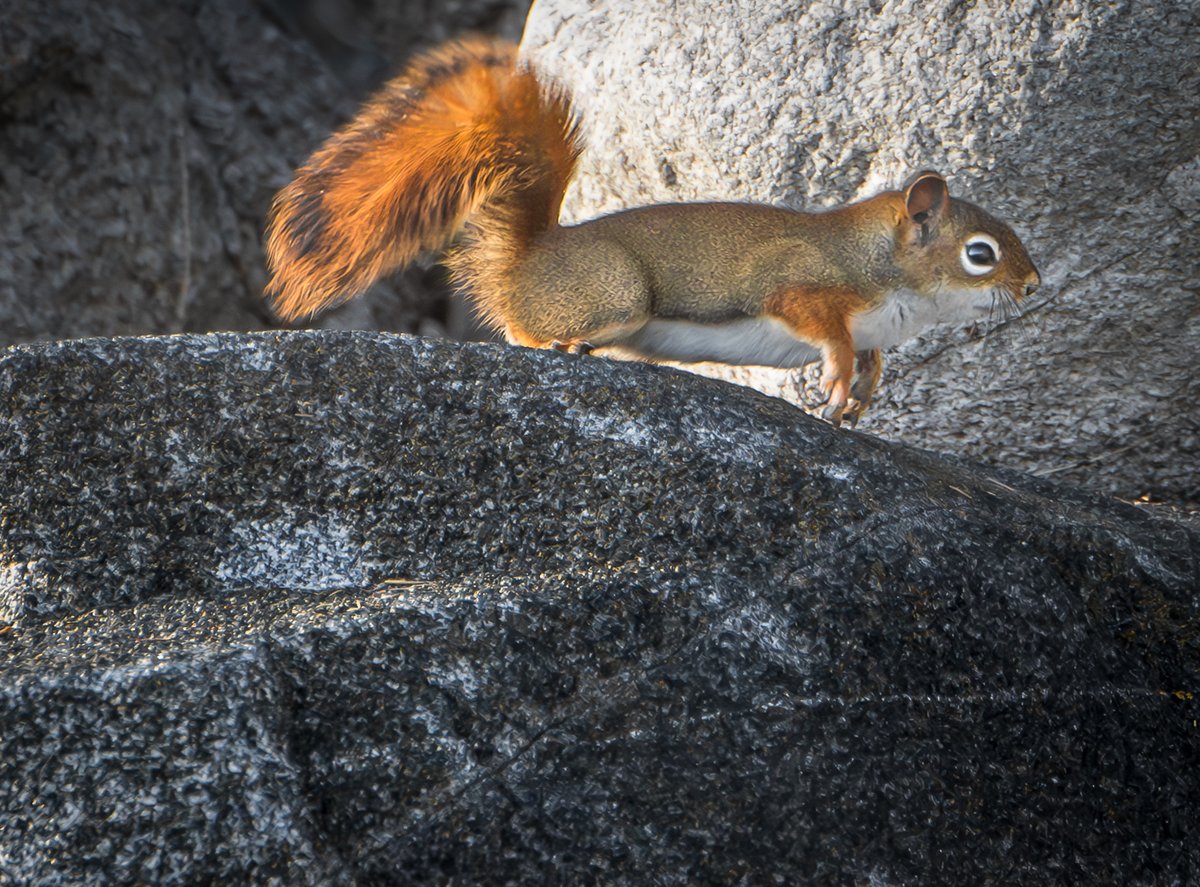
980, 254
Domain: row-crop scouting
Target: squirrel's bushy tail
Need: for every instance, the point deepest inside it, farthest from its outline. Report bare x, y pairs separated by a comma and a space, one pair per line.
464, 134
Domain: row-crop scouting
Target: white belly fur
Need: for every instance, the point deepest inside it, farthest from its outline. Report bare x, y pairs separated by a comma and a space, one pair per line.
749, 342
764, 341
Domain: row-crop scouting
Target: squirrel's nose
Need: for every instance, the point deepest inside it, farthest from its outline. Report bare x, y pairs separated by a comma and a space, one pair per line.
1032, 282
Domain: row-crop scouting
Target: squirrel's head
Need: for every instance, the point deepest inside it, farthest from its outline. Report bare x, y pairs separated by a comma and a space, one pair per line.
953, 250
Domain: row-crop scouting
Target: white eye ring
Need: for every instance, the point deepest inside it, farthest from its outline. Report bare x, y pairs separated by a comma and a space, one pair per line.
975, 256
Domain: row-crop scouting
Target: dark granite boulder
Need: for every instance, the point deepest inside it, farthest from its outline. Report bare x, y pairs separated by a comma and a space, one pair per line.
351, 608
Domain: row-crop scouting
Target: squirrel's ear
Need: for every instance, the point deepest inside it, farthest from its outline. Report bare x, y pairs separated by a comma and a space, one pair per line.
926, 198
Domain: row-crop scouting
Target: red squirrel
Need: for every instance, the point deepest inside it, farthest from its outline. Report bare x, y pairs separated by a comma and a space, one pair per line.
470, 138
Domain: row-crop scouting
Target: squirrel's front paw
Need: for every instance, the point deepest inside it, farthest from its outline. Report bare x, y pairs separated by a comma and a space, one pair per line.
836, 389
862, 390
860, 399
822, 394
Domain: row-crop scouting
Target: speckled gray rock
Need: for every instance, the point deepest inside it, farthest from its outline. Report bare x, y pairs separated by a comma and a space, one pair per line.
349, 608
1074, 121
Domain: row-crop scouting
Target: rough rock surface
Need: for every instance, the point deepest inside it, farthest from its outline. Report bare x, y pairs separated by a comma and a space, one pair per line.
141, 143
1077, 122
348, 608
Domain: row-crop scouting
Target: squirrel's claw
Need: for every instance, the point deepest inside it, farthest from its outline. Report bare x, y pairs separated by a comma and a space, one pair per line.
855, 410
833, 414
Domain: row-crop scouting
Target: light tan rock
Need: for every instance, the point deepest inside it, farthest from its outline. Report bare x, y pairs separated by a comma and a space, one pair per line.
1075, 122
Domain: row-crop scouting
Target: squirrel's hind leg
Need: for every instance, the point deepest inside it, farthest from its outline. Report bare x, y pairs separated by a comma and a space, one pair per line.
576, 295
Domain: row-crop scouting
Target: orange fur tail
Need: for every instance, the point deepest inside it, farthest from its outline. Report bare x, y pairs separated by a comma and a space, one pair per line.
463, 129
